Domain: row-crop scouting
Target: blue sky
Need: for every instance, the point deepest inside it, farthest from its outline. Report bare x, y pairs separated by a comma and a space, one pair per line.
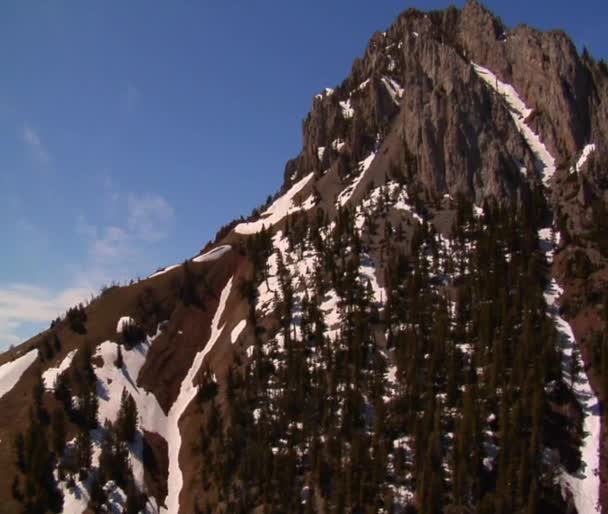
130, 131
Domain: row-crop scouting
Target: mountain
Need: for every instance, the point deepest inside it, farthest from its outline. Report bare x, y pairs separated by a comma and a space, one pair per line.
416, 322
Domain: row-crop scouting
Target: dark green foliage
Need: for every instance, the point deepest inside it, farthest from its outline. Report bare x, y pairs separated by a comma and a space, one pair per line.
136, 501
83, 453
76, 318
132, 335
127, 419
208, 387
97, 494
35, 461
114, 458
150, 308
46, 350
472, 364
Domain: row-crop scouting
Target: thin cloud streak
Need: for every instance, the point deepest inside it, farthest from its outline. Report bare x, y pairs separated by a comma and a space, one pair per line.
112, 250
34, 143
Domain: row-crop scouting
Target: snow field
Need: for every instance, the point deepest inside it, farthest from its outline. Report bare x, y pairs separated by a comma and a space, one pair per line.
11, 372
281, 207
519, 113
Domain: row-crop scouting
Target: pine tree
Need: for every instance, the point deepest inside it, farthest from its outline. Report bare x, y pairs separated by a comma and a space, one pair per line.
83, 453
127, 418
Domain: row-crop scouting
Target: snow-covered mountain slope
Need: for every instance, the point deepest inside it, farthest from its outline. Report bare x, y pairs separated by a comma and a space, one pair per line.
416, 322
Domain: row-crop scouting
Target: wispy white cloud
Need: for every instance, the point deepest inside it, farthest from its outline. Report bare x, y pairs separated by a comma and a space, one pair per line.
113, 243
150, 217
112, 252
34, 143
23, 304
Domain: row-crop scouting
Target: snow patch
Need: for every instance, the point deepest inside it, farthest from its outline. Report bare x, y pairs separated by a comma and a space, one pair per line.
237, 330
331, 312
585, 483
347, 109
404, 206
520, 112
124, 322
280, 208
368, 271
213, 255
49, 377
393, 88
11, 372
337, 145
111, 381
364, 165
75, 499
363, 85
326, 92
320, 152
587, 151
187, 393
164, 270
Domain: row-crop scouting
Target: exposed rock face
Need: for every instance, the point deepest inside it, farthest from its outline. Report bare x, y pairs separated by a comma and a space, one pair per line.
464, 141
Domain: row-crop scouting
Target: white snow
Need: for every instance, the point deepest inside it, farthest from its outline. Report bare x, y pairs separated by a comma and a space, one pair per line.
186, 395
393, 88
123, 322
280, 208
136, 459
368, 271
326, 92
237, 330
50, 375
364, 165
404, 206
320, 152
111, 381
585, 483
75, 499
269, 287
363, 85
347, 109
587, 151
213, 255
519, 113
331, 312
164, 270
11, 372
337, 145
